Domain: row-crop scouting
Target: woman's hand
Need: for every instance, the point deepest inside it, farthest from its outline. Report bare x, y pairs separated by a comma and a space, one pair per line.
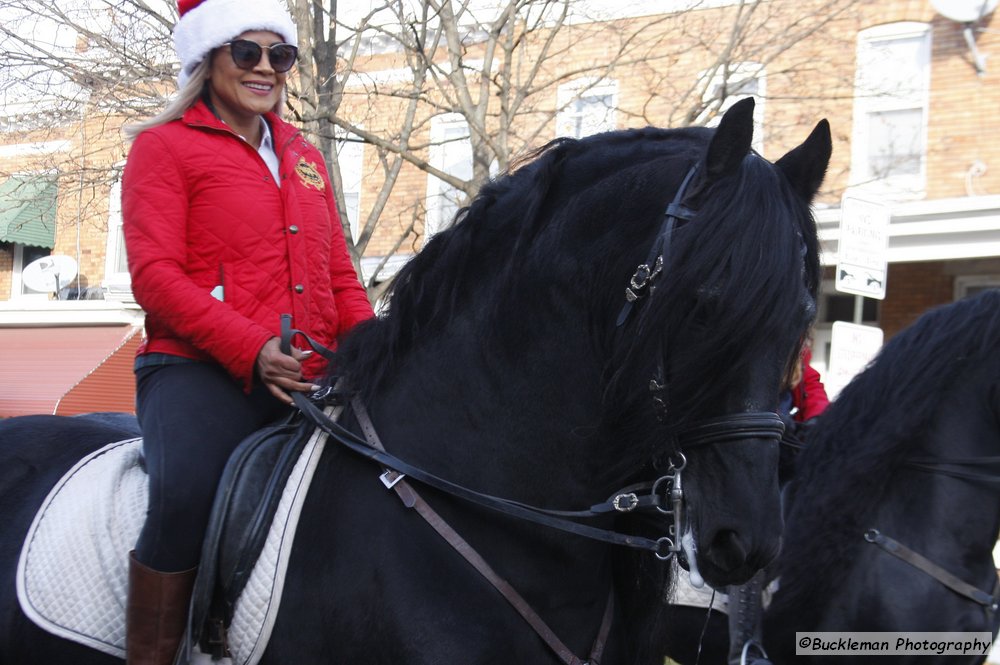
282, 374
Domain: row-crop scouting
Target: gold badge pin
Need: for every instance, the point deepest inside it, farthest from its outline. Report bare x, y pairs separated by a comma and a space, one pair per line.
309, 174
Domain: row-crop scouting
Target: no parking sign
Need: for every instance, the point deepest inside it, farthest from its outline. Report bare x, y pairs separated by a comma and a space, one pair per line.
851, 349
862, 247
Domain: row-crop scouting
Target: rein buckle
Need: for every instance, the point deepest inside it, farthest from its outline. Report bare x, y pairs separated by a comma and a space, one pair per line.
625, 503
642, 278
390, 478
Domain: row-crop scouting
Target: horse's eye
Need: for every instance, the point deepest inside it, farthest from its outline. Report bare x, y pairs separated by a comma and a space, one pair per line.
705, 305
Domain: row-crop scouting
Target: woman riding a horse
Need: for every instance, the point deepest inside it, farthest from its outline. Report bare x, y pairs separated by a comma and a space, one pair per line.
229, 222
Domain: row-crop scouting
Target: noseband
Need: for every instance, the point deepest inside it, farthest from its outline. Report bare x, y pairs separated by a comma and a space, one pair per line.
668, 490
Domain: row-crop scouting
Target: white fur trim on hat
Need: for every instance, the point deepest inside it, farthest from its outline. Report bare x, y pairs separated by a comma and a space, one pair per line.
215, 22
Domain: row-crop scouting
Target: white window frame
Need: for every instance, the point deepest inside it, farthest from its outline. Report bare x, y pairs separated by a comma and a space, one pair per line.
575, 122
351, 160
16, 282
968, 284
453, 155
115, 240
876, 96
739, 73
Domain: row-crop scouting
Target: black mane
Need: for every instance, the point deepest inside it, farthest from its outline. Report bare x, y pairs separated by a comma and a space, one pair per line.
585, 210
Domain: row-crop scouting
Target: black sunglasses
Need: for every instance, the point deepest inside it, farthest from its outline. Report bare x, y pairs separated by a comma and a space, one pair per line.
246, 54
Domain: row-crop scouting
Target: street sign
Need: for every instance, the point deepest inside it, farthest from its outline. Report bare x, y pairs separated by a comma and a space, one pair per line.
851, 349
861, 252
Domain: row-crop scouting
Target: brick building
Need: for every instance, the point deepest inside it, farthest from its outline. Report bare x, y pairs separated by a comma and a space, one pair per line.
911, 116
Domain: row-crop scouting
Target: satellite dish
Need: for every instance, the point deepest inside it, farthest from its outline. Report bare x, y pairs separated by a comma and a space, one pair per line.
964, 11
49, 273
967, 12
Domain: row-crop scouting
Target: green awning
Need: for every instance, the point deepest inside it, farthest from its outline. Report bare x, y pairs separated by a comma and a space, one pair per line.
28, 210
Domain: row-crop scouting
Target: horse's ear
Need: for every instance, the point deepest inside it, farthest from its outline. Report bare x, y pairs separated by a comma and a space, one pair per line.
806, 165
731, 141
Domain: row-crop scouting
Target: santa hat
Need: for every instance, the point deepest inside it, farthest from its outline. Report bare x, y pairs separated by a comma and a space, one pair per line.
207, 24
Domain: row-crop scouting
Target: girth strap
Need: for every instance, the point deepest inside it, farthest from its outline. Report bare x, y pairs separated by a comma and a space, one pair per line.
924, 564
412, 499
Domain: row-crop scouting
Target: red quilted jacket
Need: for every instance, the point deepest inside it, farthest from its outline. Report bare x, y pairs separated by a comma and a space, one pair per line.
201, 211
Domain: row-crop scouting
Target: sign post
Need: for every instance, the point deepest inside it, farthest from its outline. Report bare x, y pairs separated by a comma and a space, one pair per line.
862, 265
862, 248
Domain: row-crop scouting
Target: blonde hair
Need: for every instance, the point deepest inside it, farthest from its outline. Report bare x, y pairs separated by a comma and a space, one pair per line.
175, 108
186, 98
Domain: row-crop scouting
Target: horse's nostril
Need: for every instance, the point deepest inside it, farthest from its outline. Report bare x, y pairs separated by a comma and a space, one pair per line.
727, 551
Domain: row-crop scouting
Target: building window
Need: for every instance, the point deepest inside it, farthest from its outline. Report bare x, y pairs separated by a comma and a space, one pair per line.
586, 107
451, 152
891, 82
23, 256
116, 260
27, 224
725, 87
970, 285
350, 158
117, 284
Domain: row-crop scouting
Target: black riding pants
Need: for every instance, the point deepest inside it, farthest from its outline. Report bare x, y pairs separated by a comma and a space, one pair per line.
193, 415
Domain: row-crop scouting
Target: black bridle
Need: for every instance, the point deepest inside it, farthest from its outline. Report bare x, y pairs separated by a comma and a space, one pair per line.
665, 495
952, 468
644, 277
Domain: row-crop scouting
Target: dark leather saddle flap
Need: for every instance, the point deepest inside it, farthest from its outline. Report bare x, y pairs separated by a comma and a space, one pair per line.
245, 504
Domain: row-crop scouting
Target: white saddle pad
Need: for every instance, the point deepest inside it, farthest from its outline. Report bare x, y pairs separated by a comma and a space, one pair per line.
684, 593
72, 576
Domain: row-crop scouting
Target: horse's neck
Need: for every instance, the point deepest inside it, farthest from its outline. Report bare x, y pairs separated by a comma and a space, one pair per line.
522, 426
528, 431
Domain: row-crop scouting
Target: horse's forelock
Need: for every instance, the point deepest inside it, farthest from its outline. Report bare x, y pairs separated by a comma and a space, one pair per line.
743, 252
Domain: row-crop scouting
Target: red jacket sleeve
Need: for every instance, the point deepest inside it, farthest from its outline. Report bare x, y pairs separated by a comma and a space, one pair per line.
155, 216
810, 395
353, 306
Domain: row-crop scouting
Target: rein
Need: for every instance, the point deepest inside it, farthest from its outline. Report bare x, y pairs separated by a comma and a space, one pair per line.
922, 563
412, 499
944, 466
665, 495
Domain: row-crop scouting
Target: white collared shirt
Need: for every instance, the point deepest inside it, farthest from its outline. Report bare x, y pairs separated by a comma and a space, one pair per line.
266, 151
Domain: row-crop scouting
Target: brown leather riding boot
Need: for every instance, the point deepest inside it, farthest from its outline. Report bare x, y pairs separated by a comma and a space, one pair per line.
156, 614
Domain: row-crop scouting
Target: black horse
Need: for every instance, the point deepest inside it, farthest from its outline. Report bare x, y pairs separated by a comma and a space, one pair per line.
511, 362
908, 454
893, 514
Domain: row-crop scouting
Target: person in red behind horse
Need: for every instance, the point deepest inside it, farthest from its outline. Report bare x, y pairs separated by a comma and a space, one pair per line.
809, 398
229, 222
